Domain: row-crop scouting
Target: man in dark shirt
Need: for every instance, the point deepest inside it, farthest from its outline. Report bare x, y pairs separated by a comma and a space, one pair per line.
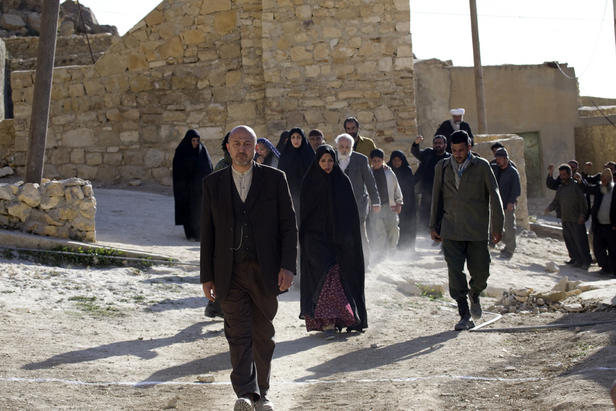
572, 208
456, 123
428, 157
508, 180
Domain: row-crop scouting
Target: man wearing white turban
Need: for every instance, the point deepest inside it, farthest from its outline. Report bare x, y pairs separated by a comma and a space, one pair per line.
456, 123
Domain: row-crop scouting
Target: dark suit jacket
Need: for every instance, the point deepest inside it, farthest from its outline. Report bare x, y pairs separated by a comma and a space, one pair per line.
363, 183
272, 222
446, 129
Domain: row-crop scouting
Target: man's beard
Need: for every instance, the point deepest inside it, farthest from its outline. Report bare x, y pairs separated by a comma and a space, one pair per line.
342, 157
241, 159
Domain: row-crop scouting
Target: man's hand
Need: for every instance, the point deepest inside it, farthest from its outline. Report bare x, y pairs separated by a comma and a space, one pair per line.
496, 237
209, 290
577, 177
434, 235
510, 206
285, 279
551, 169
419, 139
396, 208
376, 208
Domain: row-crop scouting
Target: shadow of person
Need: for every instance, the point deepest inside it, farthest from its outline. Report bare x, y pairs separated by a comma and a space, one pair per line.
143, 349
222, 361
369, 358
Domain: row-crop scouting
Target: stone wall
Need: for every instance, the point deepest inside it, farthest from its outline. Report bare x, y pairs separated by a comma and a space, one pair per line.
535, 99
7, 142
3, 57
595, 136
70, 50
212, 65
64, 209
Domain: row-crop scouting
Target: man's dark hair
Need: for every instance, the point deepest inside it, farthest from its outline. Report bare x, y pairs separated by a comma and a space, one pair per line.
377, 152
460, 136
496, 146
353, 119
316, 132
566, 167
442, 137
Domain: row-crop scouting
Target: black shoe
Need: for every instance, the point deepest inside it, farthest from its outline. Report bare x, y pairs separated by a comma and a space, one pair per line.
570, 262
465, 322
584, 267
506, 255
212, 310
475, 306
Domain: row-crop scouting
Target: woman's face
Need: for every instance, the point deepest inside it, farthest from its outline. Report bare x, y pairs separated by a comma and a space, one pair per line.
195, 142
296, 140
262, 150
396, 162
326, 162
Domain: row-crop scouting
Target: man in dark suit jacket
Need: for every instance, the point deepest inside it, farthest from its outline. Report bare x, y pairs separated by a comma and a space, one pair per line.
355, 166
456, 123
603, 226
248, 254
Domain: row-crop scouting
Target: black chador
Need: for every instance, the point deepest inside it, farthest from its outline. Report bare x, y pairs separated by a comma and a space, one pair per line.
190, 166
295, 162
329, 235
408, 214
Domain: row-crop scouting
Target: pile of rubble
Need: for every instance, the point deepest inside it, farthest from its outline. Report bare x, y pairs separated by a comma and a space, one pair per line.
564, 297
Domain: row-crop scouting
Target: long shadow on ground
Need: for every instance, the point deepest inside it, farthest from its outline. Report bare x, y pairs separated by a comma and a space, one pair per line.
144, 349
370, 358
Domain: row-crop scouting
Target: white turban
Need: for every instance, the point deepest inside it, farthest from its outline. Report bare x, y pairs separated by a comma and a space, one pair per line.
457, 111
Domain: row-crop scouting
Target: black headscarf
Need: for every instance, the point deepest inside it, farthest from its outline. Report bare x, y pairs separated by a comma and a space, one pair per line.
282, 141
405, 177
329, 234
296, 161
274, 154
190, 166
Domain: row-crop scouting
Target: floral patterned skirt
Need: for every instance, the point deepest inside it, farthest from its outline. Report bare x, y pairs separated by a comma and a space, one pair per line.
333, 308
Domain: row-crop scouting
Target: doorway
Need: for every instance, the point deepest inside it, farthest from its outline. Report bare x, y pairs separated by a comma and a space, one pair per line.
534, 163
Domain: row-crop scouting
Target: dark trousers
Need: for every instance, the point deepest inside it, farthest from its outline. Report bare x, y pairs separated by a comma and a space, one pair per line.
477, 258
576, 241
425, 205
249, 330
604, 246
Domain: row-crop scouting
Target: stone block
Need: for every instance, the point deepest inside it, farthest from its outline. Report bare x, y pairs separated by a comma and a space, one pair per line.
19, 210
79, 137
53, 189
67, 213
6, 193
230, 51
153, 158
383, 113
48, 202
242, 110
12, 22
89, 172
78, 156
225, 22
137, 62
303, 12
193, 37
87, 208
30, 194
155, 18
94, 159
173, 48
129, 137
88, 192
213, 6
83, 224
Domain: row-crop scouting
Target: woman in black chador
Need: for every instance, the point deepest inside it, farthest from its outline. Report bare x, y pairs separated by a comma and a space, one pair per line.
191, 163
332, 264
295, 159
408, 218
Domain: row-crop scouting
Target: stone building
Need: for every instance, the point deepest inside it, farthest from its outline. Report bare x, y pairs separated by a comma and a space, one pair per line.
536, 102
595, 135
272, 64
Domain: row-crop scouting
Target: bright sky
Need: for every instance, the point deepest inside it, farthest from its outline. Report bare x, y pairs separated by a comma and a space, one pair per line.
579, 33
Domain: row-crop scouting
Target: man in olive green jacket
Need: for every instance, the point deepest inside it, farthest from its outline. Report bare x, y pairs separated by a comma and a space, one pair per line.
464, 196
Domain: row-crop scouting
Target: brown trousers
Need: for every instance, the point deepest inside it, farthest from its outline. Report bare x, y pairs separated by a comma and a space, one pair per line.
249, 330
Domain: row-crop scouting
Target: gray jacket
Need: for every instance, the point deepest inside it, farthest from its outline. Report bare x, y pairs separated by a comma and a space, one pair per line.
569, 202
363, 183
464, 214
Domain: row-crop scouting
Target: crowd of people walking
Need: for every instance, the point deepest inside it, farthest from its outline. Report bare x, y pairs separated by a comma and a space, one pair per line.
349, 208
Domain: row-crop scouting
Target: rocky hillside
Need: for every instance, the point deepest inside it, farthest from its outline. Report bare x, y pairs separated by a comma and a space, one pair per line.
23, 18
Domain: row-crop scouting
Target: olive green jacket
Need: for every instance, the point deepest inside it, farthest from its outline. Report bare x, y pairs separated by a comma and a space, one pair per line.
569, 202
364, 145
464, 214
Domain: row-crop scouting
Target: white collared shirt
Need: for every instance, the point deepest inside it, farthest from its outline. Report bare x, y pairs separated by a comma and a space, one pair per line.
343, 162
242, 182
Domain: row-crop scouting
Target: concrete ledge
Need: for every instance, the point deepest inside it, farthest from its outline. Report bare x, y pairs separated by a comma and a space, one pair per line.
17, 239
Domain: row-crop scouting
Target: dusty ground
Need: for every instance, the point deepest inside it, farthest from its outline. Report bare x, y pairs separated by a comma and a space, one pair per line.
125, 338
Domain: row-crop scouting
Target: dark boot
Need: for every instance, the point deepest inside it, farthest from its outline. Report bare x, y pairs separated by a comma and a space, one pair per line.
465, 322
475, 306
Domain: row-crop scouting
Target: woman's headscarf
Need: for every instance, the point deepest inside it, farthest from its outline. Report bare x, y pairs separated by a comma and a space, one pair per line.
269, 145
282, 141
296, 161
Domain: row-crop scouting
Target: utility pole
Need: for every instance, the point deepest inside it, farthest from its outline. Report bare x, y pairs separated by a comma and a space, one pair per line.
42, 91
481, 105
614, 11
